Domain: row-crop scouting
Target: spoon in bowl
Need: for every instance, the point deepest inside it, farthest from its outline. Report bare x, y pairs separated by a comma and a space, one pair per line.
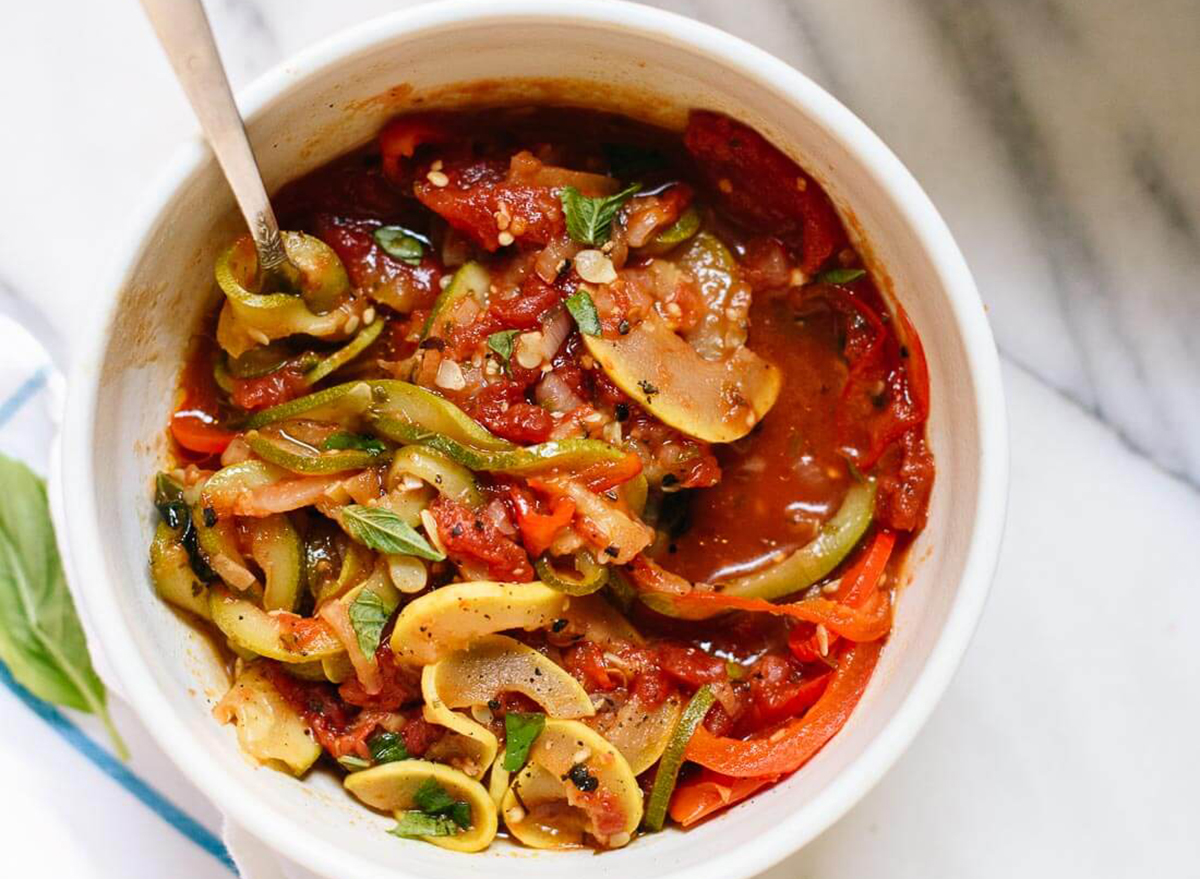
185, 35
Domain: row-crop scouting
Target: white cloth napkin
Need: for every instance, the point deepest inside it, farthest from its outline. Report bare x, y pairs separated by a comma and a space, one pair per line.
32, 395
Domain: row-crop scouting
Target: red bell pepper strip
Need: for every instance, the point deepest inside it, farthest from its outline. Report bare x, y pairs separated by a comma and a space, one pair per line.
870, 623
710, 792
539, 529
792, 745
856, 586
196, 435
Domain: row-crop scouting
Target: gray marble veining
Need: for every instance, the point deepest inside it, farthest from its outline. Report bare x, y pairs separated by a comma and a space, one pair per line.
1059, 138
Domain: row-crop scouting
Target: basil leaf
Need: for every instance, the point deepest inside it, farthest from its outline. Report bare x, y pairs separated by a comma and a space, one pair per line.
398, 243
416, 824
343, 439
521, 730
589, 220
503, 344
368, 615
385, 531
387, 747
583, 309
840, 276
41, 638
432, 799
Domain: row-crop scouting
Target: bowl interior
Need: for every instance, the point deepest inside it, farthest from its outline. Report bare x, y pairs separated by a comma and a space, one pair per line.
335, 99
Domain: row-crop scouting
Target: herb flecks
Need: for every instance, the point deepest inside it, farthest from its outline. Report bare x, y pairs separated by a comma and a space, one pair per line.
648, 389
368, 614
387, 747
579, 776
583, 309
840, 276
589, 220
385, 531
521, 730
399, 243
503, 343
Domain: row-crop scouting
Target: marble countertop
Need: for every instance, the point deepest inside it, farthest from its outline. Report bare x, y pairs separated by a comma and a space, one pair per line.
1059, 138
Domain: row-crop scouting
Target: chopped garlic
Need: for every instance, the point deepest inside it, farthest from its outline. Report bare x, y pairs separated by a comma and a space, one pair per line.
594, 267
529, 349
449, 376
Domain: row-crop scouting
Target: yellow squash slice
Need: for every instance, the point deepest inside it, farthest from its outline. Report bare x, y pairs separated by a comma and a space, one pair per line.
452, 617
496, 664
392, 786
545, 808
718, 401
268, 728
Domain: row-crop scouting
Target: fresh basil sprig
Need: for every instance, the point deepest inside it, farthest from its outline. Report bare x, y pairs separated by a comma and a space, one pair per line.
383, 530
583, 309
41, 638
589, 220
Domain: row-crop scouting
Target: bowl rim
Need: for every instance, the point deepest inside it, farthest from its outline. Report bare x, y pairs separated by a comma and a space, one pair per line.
790, 832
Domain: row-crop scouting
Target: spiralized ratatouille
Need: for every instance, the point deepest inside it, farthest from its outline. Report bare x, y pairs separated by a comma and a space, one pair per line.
565, 488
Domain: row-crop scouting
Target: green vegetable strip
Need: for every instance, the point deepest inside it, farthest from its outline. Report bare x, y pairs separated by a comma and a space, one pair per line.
449, 478
816, 558
672, 758
345, 354
592, 576
431, 413
334, 403
471, 279
294, 457
569, 454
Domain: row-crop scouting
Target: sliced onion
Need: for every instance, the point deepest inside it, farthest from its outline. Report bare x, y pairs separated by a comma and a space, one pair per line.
555, 332
281, 497
553, 393
552, 256
236, 452
497, 514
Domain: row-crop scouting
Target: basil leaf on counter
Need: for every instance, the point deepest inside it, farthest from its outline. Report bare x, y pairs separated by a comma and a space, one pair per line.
385, 531
368, 615
589, 220
840, 276
583, 309
41, 638
398, 243
521, 730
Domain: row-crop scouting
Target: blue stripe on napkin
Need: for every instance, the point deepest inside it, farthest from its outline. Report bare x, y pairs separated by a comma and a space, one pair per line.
118, 772
73, 735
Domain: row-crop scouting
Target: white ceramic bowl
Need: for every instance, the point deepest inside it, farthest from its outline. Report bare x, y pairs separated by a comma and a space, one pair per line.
336, 96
